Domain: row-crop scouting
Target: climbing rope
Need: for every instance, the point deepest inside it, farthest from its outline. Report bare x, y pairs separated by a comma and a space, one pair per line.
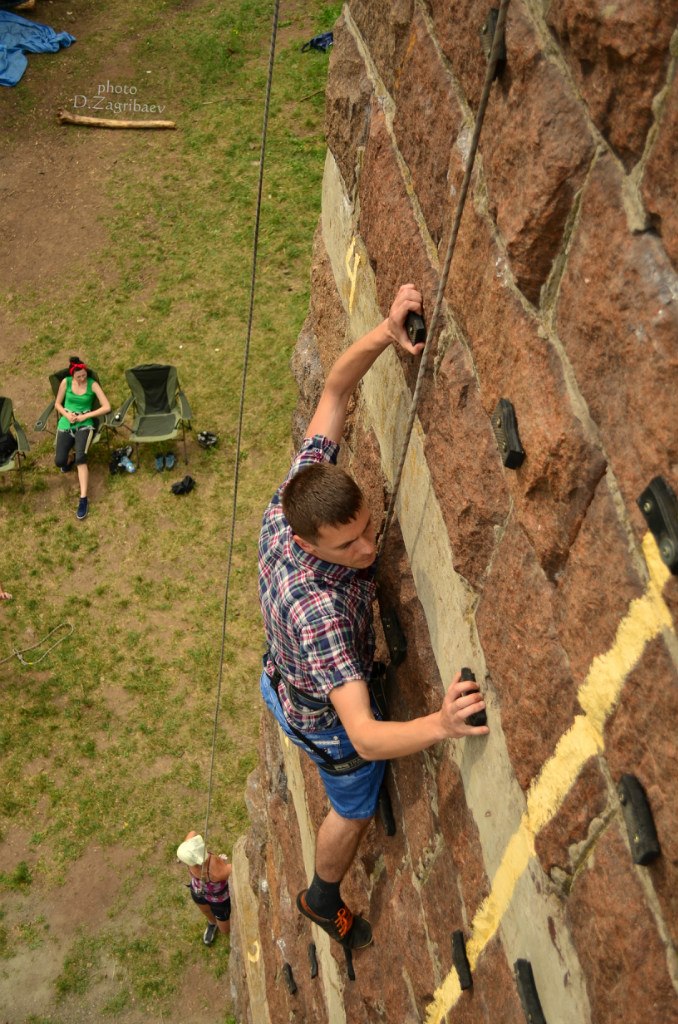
18, 653
495, 52
274, 32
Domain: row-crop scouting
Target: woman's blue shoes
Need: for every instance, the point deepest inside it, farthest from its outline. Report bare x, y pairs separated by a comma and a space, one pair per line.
165, 461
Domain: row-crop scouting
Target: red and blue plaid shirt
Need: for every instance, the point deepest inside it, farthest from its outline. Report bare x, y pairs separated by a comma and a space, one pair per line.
317, 615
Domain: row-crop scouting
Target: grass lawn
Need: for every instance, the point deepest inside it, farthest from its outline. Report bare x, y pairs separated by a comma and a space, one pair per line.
105, 743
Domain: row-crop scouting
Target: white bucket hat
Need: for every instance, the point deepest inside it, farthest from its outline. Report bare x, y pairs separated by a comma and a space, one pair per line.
192, 852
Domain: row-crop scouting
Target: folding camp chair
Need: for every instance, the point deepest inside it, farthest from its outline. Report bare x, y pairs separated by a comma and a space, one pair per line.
160, 406
14, 445
100, 422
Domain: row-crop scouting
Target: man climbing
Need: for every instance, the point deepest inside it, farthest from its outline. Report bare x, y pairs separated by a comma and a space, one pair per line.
316, 584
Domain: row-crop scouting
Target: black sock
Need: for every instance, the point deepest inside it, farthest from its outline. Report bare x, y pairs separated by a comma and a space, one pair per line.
323, 897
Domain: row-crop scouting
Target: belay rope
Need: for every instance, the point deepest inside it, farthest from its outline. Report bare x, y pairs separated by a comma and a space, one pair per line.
274, 33
497, 41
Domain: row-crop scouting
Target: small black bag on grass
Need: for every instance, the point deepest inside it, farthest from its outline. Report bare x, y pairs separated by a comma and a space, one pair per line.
183, 486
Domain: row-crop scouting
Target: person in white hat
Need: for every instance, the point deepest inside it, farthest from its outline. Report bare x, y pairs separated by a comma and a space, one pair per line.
209, 884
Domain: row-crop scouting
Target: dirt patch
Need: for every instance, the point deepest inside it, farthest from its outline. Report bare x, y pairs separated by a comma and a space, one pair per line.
42, 925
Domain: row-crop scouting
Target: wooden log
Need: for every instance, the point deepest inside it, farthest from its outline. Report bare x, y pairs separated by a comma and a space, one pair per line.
103, 122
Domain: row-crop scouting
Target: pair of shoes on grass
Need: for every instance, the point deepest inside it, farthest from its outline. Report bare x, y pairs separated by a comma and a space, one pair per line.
165, 461
349, 930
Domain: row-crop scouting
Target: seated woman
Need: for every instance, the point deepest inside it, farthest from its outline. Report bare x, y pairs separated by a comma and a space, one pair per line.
77, 395
209, 884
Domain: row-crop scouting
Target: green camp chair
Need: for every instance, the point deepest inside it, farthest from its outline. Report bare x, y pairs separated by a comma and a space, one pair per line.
160, 406
101, 423
14, 445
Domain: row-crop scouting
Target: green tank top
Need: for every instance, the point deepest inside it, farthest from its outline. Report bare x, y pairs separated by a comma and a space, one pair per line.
77, 403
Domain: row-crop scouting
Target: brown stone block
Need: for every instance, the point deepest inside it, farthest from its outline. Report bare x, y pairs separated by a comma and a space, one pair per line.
513, 360
524, 657
427, 121
457, 29
596, 585
442, 908
415, 791
417, 688
385, 25
328, 317
461, 453
618, 320
308, 373
641, 740
619, 949
535, 133
493, 998
408, 958
618, 55
660, 188
381, 991
361, 457
460, 837
587, 799
277, 874
347, 103
387, 222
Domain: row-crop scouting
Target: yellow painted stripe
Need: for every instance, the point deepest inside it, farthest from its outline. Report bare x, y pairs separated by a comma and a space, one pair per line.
352, 264
646, 618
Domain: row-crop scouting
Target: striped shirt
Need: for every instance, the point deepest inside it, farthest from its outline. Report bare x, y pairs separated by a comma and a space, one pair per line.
317, 615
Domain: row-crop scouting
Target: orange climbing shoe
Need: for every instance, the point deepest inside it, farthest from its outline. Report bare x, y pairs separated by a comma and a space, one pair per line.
350, 930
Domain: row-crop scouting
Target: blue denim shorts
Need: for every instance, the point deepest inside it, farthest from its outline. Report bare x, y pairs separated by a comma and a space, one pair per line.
352, 796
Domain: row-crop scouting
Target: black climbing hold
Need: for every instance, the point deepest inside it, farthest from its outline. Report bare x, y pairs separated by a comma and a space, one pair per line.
639, 821
393, 633
478, 717
460, 960
506, 432
659, 506
486, 34
386, 811
416, 328
527, 990
349, 963
289, 979
313, 959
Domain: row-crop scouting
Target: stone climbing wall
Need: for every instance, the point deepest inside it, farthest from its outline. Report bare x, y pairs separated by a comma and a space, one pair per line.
562, 299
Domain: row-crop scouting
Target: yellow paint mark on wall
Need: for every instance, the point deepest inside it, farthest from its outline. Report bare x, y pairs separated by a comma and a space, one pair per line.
254, 956
352, 264
598, 695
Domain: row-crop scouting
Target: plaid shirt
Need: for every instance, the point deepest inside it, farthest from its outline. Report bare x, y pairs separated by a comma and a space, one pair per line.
317, 615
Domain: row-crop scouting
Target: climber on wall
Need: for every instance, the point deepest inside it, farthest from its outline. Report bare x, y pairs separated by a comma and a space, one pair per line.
316, 583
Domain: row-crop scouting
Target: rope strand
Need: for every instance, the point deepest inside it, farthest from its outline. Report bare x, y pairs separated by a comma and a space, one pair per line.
470, 160
16, 653
274, 32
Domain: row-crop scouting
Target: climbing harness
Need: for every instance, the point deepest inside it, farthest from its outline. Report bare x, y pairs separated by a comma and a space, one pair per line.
18, 653
340, 766
255, 248
495, 56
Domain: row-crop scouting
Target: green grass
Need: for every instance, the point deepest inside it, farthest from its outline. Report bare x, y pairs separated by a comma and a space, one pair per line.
106, 741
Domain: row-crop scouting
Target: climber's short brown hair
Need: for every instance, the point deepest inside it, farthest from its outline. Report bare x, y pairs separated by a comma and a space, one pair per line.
320, 495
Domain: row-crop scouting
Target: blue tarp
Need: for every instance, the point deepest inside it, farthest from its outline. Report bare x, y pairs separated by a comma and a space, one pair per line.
19, 36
